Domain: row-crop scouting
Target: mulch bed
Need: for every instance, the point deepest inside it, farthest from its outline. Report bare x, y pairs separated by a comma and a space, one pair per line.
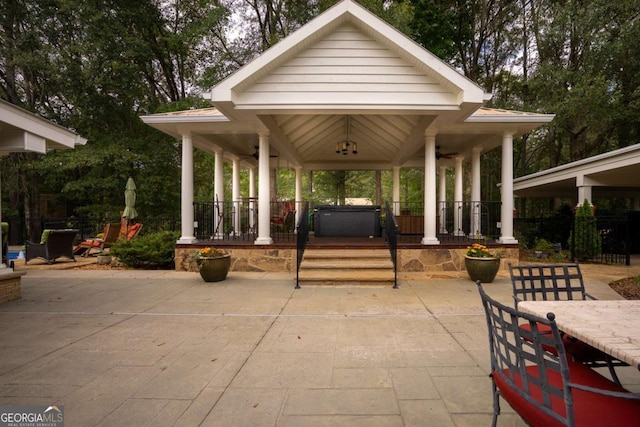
629, 287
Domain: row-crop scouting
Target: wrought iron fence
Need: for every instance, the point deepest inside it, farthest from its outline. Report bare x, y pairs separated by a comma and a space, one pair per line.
602, 239
87, 227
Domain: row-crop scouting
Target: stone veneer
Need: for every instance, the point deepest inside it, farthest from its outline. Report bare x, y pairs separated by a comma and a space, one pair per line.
246, 259
264, 259
10, 286
447, 259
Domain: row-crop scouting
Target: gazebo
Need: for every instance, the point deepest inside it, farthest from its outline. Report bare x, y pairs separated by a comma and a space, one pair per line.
347, 91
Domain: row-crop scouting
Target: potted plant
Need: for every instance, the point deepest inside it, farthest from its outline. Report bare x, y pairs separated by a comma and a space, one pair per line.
481, 263
213, 264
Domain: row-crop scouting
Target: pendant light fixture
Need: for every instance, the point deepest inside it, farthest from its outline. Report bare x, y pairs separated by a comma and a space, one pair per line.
347, 144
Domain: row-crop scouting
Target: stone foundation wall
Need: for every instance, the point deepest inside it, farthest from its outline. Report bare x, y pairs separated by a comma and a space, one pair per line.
246, 259
446, 259
283, 260
10, 287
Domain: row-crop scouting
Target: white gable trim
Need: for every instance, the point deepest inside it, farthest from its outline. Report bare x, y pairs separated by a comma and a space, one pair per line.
25, 131
230, 92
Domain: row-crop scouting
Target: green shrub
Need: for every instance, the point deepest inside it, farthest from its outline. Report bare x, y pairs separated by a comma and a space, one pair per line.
154, 251
585, 243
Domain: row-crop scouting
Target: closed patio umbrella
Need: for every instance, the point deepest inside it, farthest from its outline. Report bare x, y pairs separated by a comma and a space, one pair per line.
130, 201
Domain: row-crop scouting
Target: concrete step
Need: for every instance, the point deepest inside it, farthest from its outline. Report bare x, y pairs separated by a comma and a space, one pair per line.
345, 254
346, 277
346, 267
349, 263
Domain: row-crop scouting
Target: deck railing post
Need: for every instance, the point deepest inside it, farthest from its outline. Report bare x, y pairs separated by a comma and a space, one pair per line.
391, 235
302, 237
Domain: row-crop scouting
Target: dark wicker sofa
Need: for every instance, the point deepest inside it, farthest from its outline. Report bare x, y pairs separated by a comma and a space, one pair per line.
59, 243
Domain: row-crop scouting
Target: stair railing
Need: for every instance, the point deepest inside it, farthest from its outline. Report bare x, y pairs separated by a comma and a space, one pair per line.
391, 237
302, 230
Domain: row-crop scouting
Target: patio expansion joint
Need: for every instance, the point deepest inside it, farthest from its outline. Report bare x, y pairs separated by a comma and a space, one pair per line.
251, 353
276, 316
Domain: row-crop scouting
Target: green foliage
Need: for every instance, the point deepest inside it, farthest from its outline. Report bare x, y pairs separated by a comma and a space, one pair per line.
155, 251
585, 241
543, 245
97, 66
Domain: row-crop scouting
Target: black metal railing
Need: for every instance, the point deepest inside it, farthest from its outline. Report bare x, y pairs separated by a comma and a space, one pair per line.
391, 237
302, 240
236, 221
455, 221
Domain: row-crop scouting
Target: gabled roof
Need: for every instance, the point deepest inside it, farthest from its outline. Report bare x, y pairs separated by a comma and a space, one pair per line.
21, 130
326, 65
346, 72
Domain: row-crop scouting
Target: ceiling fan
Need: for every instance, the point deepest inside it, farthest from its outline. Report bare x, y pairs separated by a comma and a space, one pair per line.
440, 155
256, 153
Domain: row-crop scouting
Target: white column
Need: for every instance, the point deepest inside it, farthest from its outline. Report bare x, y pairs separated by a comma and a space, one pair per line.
457, 199
584, 193
218, 198
235, 196
252, 202
430, 205
396, 190
298, 194
186, 192
476, 196
584, 190
506, 188
442, 199
264, 193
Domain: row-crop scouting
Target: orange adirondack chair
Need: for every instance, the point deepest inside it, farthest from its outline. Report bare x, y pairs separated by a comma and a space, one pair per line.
110, 235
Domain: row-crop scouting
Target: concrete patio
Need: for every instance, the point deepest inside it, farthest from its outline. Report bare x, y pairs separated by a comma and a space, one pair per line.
135, 348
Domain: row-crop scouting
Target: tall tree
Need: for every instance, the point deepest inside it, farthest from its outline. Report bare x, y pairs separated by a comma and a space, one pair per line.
96, 66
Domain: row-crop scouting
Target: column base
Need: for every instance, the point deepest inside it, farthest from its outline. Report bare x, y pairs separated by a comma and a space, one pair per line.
476, 236
186, 240
264, 241
459, 233
508, 240
430, 241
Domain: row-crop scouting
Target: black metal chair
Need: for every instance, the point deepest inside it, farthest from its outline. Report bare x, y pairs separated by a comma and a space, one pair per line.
554, 282
542, 386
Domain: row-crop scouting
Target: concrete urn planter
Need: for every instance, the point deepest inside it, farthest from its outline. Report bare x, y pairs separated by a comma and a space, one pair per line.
214, 269
483, 269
